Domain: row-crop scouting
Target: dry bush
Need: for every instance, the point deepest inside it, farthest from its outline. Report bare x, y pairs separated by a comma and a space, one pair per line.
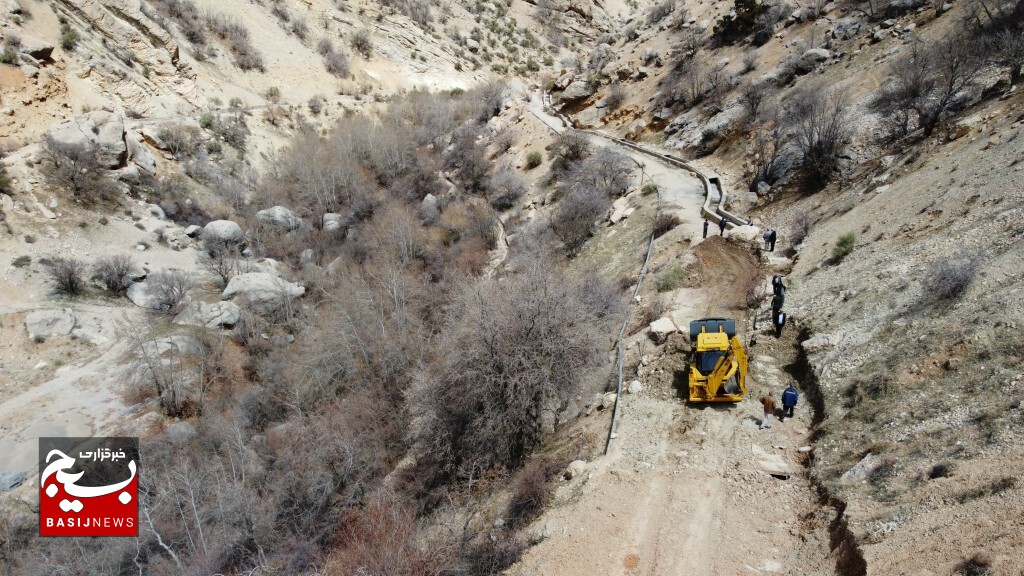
532, 492
660, 11
605, 173
822, 129
114, 273
237, 36
575, 216
182, 140
362, 43
76, 169
616, 97
66, 275
505, 189
493, 555
170, 288
1008, 48
468, 158
524, 345
533, 159
948, 279
570, 147
664, 223
752, 96
772, 154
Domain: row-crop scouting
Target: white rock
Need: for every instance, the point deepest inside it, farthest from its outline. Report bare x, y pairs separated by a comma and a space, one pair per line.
223, 231
90, 335
332, 222
101, 129
49, 323
575, 469
661, 328
261, 287
818, 342
635, 387
860, 470
194, 231
744, 234
141, 295
216, 315
279, 216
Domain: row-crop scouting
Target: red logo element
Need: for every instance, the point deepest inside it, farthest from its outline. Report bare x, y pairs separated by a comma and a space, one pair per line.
71, 504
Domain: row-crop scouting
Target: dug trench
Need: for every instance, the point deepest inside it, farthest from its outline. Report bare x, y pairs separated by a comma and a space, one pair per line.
849, 559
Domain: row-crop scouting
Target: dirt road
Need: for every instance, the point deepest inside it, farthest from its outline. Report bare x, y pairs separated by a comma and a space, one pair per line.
691, 489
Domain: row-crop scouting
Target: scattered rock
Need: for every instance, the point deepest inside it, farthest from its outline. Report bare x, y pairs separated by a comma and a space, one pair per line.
262, 287
763, 188
575, 469
90, 335
635, 387
180, 433
194, 231
142, 295
139, 155
608, 400
860, 470
216, 315
49, 323
11, 480
279, 216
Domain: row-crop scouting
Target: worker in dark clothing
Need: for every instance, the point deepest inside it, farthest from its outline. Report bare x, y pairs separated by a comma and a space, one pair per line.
771, 239
767, 237
789, 398
778, 301
706, 227
777, 286
779, 320
721, 226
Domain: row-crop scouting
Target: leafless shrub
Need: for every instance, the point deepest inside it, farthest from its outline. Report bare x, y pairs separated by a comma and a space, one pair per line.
337, 64
182, 140
615, 98
771, 155
606, 172
691, 40
532, 492
1008, 48
76, 169
237, 37
752, 95
505, 188
977, 565
658, 12
362, 43
300, 28
575, 216
504, 141
948, 279
221, 261
114, 273
570, 147
170, 288
750, 58
468, 158
524, 345
822, 130
664, 223
66, 275
803, 221
493, 555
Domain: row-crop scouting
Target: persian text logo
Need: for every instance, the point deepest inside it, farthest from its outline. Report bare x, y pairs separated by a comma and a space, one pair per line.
89, 486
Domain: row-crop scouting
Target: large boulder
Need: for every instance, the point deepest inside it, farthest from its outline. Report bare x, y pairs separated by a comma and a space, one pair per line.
661, 328
744, 234
579, 90
139, 155
332, 222
818, 342
279, 216
49, 323
812, 58
262, 287
224, 231
100, 129
35, 48
141, 294
216, 315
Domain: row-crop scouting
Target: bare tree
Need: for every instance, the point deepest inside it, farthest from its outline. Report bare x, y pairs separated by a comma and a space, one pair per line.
76, 168
1008, 46
956, 65
822, 129
751, 97
114, 272
170, 288
66, 275
771, 154
575, 215
505, 188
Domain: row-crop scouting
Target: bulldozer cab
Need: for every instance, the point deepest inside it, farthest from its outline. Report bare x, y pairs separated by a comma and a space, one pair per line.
718, 367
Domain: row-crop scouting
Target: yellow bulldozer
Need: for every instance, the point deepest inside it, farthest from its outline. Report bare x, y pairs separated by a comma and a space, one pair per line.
718, 367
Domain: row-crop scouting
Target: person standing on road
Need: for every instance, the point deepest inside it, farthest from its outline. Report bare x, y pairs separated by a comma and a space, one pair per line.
789, 398
768, 402
771, 239
779, 320
767, 237
706, 227
721, 225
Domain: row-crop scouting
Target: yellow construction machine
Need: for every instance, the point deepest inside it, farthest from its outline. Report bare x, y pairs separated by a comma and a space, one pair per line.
718, 367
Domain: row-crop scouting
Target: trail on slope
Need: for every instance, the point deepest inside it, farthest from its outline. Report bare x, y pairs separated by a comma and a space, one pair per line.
688, 489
